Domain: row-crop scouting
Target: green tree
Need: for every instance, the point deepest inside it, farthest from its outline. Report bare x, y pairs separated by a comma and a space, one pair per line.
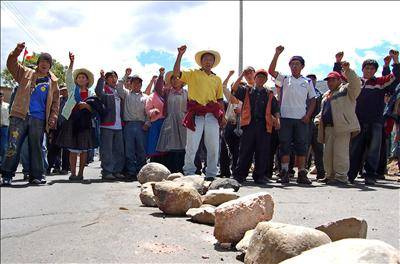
30, 61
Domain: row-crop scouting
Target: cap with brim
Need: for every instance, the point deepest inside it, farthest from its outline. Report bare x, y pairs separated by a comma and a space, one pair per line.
262, 71
88, 73
298, 58
334, 75
212, 52
110, 73
136, 77
249, 68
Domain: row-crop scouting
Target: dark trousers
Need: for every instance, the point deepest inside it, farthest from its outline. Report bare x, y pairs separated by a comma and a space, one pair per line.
19, 129
382, 167
318, 150
254, 141
175, 161
229, 150
57, 157
273, 151
369, 140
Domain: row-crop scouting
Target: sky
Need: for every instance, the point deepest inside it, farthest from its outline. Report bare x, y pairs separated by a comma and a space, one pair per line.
145, 35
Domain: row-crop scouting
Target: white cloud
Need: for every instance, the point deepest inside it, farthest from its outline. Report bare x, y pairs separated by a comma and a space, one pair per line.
111, 34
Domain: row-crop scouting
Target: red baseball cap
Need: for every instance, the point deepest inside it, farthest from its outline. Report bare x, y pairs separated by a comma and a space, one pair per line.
262, 71
335, 75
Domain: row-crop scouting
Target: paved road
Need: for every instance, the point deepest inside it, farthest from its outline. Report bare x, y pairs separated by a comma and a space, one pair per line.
104, 222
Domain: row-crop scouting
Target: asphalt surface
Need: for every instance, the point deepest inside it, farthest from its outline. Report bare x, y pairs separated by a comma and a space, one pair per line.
97, 221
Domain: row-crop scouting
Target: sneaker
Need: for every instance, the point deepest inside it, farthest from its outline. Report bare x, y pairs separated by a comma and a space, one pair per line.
56, 171
6, 182
262, 181
108, 177
63, 172
75, 178
302, 177
369, 181
119, 176
209, 178
37, 181
324, 180
320, 176
283, 177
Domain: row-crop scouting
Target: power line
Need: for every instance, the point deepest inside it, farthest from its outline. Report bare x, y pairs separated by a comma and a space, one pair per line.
20, 23
25, 21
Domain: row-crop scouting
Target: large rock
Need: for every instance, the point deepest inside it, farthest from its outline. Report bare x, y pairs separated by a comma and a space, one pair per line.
225, 183
345, 228
275, 242
243, 244
196, 181
351, 250
174, 176
217, 197
175, 198
234, 218
146, 195
153, 172
203, 215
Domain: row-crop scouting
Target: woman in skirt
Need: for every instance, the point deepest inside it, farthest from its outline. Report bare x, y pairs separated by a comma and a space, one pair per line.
173, 134
77, 133
155, 109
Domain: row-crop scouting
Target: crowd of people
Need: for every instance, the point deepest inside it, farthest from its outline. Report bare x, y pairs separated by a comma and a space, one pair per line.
254, 131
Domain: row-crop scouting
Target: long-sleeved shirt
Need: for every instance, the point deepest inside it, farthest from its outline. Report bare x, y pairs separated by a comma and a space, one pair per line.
134, 104
370, 102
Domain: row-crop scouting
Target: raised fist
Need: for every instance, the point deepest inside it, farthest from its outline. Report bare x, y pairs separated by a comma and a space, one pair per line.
128, 71
182, 49
20, 47
162, 70
339, 56
279, 49
345, 65
71, 57
231, 72
394, 53
387, 60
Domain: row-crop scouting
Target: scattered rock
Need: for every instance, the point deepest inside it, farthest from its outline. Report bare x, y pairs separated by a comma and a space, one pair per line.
234, 218
146, 195
244, 243
175, 198
275, 242
196, 181
154, 172
202, 215
350, 250
217, 197
225, 183
345, 228
174, 176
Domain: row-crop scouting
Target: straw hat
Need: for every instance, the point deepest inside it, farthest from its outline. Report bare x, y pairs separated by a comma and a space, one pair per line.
88, 73
213, 52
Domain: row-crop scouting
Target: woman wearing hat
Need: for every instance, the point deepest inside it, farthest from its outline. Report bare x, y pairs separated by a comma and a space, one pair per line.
173, 134
78, 140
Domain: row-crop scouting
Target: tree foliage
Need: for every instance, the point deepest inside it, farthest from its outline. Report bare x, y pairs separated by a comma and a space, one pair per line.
30, 61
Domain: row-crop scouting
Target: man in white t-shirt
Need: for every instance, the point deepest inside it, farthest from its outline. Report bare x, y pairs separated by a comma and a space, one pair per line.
295, 116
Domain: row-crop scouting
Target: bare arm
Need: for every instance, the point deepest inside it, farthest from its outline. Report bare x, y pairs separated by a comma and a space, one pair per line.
150, 85
272, 66
177, 65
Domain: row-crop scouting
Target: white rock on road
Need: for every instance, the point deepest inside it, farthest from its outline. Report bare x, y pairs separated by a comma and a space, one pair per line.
345, 228
272, 242
146, 195
153, 172
205, 214
218, 197
234, 218
350, 250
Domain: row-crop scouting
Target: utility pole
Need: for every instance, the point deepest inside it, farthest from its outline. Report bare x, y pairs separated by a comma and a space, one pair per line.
240, 37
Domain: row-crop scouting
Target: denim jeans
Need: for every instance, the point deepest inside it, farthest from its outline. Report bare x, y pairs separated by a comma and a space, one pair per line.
111, 151
368, 140
208, 124
135, 146
20, 129
3, 142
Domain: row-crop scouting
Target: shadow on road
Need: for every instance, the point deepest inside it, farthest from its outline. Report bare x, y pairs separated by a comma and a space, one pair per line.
162, 215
